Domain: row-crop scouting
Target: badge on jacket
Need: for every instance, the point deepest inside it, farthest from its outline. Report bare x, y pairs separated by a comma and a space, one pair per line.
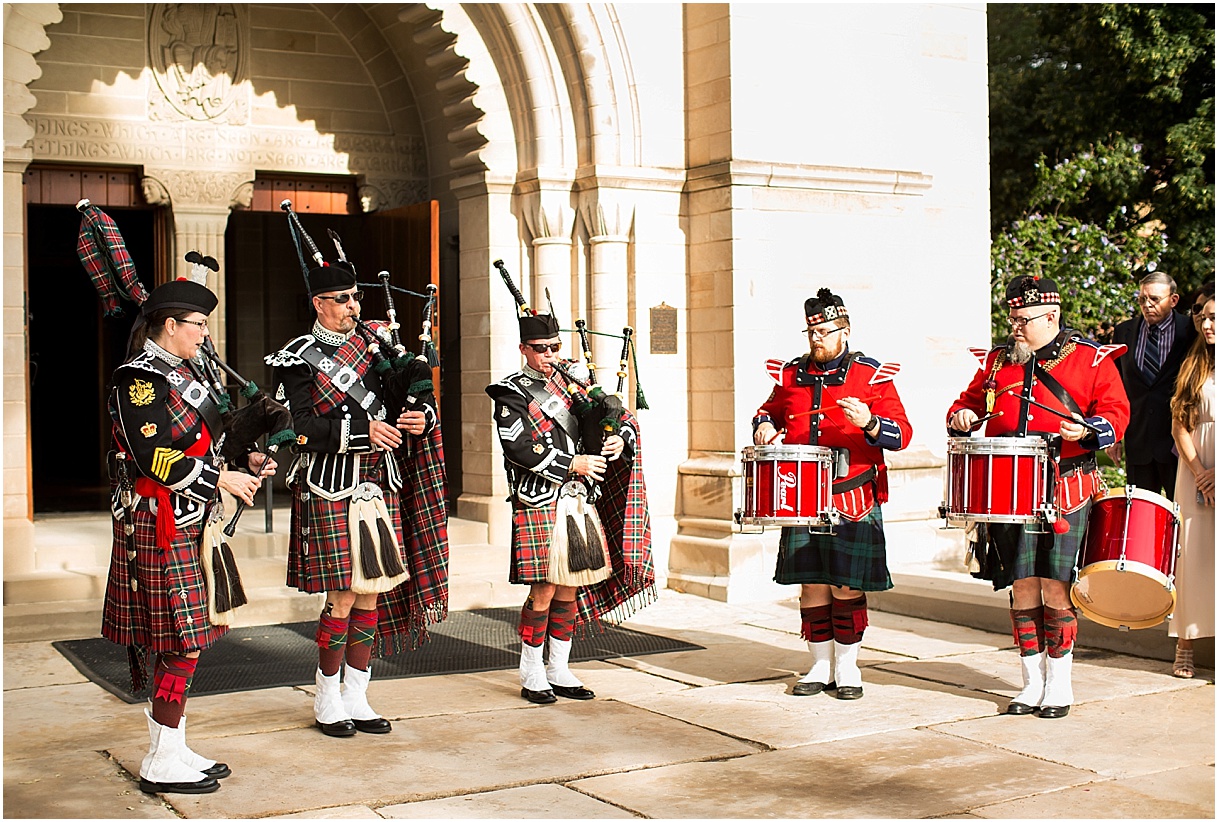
148, 429
140, 392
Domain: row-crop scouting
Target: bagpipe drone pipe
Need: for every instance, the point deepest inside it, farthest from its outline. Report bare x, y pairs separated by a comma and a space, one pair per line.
406, 378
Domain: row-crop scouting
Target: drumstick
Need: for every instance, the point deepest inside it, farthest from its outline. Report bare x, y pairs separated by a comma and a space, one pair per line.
980, 420
825, 408
1092, 428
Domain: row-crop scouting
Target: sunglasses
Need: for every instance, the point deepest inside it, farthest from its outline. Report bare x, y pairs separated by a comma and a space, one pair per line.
541, 348
341, 299
1196, 308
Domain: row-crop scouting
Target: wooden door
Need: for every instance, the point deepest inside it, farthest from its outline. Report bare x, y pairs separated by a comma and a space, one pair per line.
406, 243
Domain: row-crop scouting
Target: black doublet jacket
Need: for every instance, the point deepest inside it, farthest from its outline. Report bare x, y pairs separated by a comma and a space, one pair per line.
337, 434
169, 424
540, 436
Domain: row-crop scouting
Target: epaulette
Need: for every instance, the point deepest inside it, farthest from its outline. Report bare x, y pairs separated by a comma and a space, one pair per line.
983, 354
774, 369
289, 355
1113, 350
143, 362
507, 385
884, 372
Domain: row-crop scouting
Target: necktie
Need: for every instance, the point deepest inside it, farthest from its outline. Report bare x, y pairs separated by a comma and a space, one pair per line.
1150, 364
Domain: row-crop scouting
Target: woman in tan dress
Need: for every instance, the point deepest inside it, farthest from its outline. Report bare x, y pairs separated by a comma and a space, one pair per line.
1192, 411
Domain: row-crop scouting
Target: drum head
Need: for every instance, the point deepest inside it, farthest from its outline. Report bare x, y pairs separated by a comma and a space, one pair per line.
1137, 597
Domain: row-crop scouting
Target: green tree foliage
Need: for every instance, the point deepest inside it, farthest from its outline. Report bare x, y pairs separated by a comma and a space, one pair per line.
1093, 261
1072, 85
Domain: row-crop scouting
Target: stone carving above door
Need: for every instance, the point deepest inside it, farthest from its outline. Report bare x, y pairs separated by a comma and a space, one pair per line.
199, 54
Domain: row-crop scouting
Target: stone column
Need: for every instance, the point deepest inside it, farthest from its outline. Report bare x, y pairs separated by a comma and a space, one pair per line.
201, 205
488, 330
608, 282
19, 554
24, 36
201, 228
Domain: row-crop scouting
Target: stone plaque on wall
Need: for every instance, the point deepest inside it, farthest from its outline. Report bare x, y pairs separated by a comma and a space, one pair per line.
663, 329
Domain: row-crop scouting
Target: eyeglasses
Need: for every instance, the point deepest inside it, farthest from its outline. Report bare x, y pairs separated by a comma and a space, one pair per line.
202, 324
1196, 308
1022, 322
341, 299
541, 348
816, 334
1149, 299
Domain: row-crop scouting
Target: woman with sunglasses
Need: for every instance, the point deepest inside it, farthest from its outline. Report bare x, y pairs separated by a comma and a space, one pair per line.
1192, 411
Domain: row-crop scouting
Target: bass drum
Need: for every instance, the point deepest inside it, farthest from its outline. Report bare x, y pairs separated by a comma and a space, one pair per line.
1128, 563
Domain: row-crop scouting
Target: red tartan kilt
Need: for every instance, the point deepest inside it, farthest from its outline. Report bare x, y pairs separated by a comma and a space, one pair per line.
157, 616
531, 531
327, 565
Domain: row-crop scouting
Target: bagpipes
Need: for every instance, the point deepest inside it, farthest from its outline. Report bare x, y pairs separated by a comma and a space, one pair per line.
406, 379
406, 385
104, 255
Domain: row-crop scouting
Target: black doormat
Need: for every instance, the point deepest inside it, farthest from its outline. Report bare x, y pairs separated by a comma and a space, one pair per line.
273, 656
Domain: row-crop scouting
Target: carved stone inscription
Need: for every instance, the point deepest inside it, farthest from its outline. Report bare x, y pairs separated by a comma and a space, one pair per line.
663, 329
187, 146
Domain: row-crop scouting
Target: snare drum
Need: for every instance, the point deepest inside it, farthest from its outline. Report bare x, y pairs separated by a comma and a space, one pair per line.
787, 485
996, 479
1128, 561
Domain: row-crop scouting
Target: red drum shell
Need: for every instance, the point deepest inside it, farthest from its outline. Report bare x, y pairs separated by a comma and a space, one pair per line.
787, 484
996, 479
1128, 562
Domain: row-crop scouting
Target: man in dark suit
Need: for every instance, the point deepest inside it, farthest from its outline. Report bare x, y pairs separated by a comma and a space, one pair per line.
1157, 341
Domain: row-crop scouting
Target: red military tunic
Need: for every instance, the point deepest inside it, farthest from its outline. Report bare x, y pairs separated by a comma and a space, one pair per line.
803, 386
1086, 372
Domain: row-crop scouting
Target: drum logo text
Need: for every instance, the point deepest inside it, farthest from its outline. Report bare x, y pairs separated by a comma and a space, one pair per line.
786, 481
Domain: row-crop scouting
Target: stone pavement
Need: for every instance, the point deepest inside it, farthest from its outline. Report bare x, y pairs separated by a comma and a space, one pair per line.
712, 733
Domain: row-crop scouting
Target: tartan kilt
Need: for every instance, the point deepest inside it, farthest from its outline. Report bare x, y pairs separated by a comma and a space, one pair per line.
321, 559
531, 530
854, 557
158, 617
1048, 556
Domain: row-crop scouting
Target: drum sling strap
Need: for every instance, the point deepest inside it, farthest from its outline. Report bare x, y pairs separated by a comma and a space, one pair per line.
1086, 462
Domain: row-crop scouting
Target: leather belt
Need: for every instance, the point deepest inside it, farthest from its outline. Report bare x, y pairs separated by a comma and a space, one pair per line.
854, 482
1085, 463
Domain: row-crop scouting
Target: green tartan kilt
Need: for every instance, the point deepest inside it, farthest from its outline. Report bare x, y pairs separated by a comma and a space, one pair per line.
1048, 556
854, 557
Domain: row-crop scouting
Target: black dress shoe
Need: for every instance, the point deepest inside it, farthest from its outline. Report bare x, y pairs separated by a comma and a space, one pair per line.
849, 691
538, 697
218, 771
1020, 709
343, 727
1054, 711
809, 688
572, 692
380, 725
202, 786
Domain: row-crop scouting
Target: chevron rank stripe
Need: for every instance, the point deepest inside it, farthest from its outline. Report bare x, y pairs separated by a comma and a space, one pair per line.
980, 354
162, 460
885, 373
1106, 350
513, 432
774, 369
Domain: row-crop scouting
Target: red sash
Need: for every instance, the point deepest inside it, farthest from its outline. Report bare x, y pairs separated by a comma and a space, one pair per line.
166, 523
